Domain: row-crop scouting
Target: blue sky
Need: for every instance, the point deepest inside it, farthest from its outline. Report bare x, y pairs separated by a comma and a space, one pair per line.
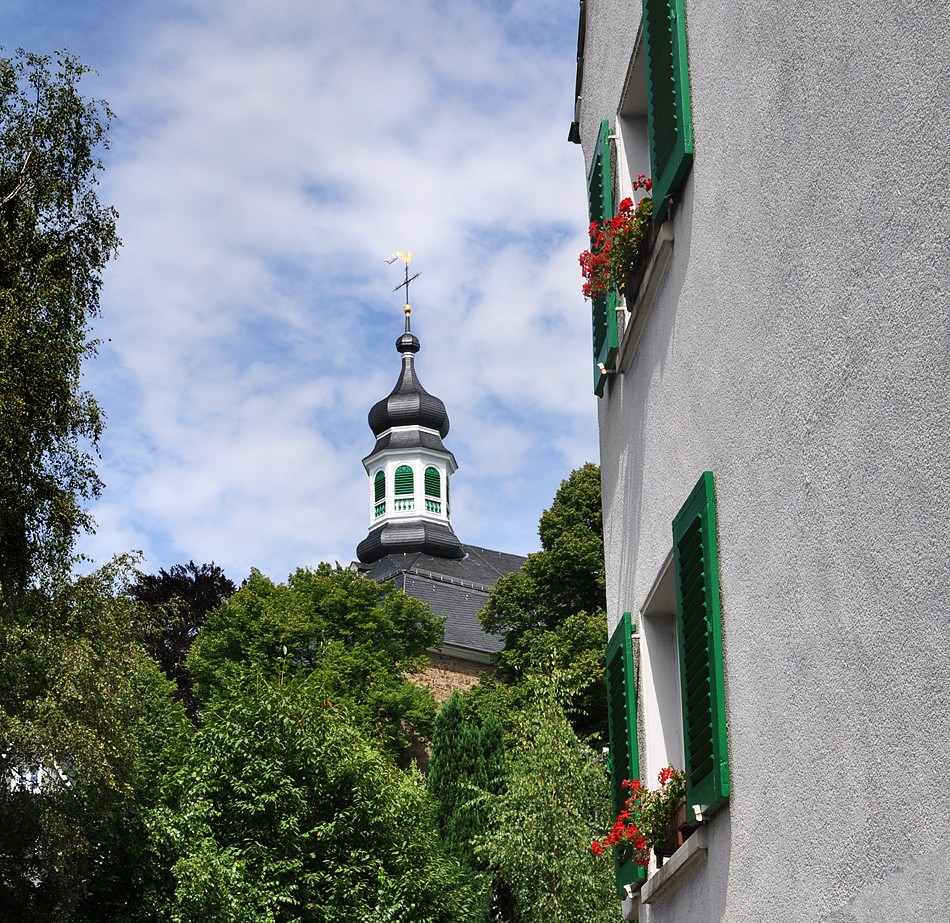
266, 158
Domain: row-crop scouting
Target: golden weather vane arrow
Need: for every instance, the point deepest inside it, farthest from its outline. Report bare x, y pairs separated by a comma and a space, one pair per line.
407, 259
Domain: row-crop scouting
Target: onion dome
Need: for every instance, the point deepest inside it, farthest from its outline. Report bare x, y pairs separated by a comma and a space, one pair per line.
409, 417
409, 404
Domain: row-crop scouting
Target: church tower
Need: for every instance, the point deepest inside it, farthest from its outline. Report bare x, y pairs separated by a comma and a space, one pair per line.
409, 469
411, 540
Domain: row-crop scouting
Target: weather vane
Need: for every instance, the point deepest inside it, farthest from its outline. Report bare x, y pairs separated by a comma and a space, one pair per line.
407, 259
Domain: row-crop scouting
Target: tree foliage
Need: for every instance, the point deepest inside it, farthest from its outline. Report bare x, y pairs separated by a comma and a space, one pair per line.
542, 824
362, 638
177, 602
468, 759
283, 812
553, 610
55, 239
89, 716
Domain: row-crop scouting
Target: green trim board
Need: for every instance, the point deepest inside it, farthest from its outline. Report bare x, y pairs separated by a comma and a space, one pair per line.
600, 201
622, 727
699, 631
669, 111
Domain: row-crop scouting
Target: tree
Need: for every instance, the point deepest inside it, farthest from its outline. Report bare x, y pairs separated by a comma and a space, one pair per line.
468, 759
554, 608
542, 824
90, 718
282, 811
178, 600
362, 638
55, 239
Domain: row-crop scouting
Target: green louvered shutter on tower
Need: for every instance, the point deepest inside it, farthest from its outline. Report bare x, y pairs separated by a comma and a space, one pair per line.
600, 198
669, 118
433, 483
699, 628
403, 480
622, 726
379, 486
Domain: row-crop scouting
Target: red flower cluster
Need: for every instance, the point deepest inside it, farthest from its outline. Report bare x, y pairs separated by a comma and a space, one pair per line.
615, 244
625, 832
635, 829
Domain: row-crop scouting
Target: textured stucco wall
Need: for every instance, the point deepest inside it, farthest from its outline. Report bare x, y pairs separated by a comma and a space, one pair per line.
800, 349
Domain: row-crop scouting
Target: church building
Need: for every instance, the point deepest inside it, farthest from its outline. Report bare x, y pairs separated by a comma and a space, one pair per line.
411, 539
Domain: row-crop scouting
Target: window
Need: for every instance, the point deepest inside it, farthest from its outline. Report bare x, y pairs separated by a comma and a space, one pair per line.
404, 485
433, 488
679, 701
600, 198
379, 493
622, 729
669, 117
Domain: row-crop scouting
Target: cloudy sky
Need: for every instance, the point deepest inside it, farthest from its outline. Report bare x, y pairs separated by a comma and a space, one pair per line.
266, 157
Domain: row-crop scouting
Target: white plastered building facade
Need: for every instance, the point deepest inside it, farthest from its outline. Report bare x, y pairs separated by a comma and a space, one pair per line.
791, 337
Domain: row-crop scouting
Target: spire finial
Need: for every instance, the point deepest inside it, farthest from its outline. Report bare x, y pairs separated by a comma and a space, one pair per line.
407, 259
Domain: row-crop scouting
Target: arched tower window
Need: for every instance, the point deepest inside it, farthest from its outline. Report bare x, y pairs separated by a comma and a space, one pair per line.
379, 493
433, 481
404, 489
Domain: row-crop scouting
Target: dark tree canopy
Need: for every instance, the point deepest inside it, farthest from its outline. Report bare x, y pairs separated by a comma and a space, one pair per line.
55, 239
553, 610
177, 602
468, 757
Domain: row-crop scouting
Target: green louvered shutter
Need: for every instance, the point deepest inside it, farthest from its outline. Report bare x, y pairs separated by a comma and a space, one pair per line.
600, 198
669, 118
699, 627
403, 480
379, 493
622, 726
433, 483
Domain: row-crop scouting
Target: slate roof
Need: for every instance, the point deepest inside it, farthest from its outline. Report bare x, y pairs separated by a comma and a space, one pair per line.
455, 588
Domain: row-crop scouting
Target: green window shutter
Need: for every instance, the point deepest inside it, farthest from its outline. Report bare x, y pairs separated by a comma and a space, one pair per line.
622, 727
699, 627
379, 486
600, 198
669, 118
433, 482
403, 480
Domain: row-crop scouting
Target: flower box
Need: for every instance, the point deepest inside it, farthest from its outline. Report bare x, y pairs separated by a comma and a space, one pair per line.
639, 267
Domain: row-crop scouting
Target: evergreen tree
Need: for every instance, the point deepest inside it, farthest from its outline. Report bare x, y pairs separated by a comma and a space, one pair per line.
467, 761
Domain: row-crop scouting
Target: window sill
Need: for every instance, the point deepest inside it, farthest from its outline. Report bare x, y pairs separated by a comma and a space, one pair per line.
635, 317
676, 868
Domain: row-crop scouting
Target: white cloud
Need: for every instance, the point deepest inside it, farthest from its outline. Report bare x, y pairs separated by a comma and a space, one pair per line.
266, 158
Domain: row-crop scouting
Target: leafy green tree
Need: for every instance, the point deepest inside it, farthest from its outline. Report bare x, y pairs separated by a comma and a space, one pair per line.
362, 638
55, 239
85, 713
554, 609
542, 824
283, 811
177, 602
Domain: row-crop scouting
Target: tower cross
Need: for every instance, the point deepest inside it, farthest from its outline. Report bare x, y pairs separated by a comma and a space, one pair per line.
407, 259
